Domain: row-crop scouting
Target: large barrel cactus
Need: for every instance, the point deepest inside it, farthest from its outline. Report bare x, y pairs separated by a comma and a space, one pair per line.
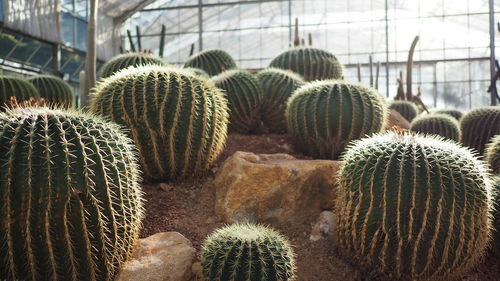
70, 199
212, 61
492, 154
130, 59
455, 113
437, 124
277, 86
54, 90
496, 215
324, 116
407, 109
15, 87
244, 97
311, 63
479, 125
177, 120
247, 252
413, 207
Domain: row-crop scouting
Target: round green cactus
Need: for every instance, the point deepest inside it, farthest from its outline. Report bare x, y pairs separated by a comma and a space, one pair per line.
54, 90
479, 125
310, 63
437, 124
492, 154
413, 207
277, 86
177, 120
455, 113
197, 71
496, 215
130, 59
324, 116
15, 87
70, 199
244, 97
212, 61
247, 252
407, 109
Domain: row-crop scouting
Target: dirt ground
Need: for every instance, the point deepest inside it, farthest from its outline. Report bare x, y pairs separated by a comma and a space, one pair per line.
188, 208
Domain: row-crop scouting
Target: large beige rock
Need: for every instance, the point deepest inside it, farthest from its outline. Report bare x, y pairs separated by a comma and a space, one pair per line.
396, 119
274, 188
165, 256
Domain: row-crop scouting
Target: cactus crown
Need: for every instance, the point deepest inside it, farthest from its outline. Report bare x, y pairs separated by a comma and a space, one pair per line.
198, 71
72, 206
15, 87
455, 113
311, 63
437, 124
126, 60
407, 109
53, 89
414, 207
492, 154
213, 61
247, 252
479, 125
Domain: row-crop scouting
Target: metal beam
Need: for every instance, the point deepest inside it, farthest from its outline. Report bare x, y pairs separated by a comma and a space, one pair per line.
387, 47
212, 5
493, 70
200, 25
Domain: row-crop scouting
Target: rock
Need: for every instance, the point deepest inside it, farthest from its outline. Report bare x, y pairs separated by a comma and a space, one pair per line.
165, 256
324, 227
166, 187
274, 188
396, 119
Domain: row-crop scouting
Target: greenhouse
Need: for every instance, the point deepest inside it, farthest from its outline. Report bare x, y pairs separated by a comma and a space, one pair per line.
249, 140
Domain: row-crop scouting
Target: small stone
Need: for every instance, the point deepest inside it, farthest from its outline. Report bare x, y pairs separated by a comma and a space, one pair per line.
166, 187
324, 227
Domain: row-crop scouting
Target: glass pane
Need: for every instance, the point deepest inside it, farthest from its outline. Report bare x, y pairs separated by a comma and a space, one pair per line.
81, 8
81, 35
1, 10
67, 5
67, 29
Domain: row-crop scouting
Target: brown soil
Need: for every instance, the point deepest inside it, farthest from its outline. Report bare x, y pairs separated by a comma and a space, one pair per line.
188, 208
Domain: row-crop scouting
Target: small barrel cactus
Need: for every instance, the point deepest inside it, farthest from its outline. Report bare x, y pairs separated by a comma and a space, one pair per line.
277, 86
437, 124
53, 90
496, 215
70, 199
244, 97
247, 252
413, 207
130, 59
197, 71
455, 113
212, 61
324, 116
15, 87
479, 125
310, 63
407, 109
492, 154
177, 120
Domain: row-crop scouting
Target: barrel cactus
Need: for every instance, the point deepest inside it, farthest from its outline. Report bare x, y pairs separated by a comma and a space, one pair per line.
479, 125
70, 199
244, 96
177, 120
130, 59
407, 109
437, 124
455, 113
413, 207
15, 87
54, 90
212, 61
311, 63
277, 86
197, 71
492, 154
324, 116
496, 215
247, 252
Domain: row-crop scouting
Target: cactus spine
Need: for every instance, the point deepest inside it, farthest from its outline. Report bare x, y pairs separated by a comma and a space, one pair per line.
70, 200
407, 109
455, 113
492, 154
212, 61
479, 125
16, 87
277, 86
413, 207
54, 90
247, 252
310, 63
130, 59
244, 97
437, 124
324, 116
177, 120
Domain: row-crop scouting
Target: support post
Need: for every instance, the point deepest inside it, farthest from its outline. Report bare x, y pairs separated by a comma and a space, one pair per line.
493, 92
200, 25
90, 62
